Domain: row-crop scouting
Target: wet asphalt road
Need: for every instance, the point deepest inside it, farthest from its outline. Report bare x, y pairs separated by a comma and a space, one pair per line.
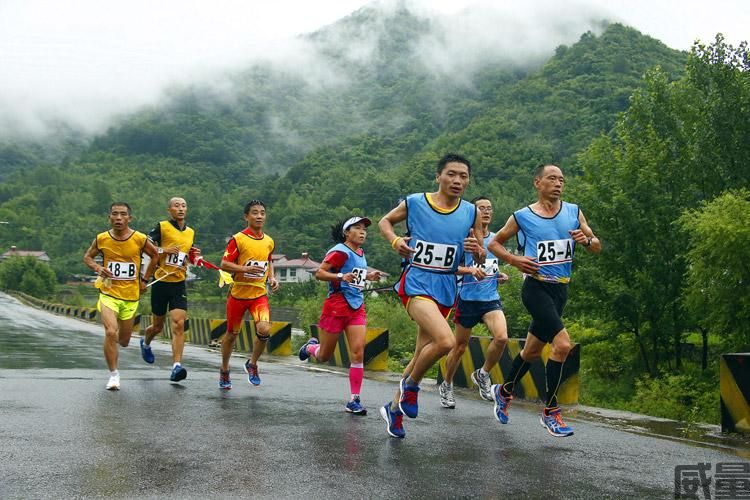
62, 435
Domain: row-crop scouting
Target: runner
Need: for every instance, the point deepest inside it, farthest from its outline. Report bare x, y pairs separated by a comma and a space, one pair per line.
440, 227
248, 258
345, 270
118, 281
174, 241
547, 232
478, 301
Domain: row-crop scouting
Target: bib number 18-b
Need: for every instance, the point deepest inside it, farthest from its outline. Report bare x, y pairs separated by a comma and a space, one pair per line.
122, 270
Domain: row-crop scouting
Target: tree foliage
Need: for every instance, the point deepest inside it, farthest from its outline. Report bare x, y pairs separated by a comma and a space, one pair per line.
28, 275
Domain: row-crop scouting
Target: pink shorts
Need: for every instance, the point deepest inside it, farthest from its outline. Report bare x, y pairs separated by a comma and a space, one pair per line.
337, 316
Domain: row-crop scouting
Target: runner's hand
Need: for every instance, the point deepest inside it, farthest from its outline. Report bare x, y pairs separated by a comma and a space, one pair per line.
254, 269
173, 250
348, 277
105, 273
374, 276
478, 273
502, 277
274, 284
403, 248
525, 264
579, 237
471, 244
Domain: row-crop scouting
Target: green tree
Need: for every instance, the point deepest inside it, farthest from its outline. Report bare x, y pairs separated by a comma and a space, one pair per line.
28, 275
718, 272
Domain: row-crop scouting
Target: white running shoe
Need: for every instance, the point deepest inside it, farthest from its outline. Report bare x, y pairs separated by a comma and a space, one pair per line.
114, 383
482, 380
446, 395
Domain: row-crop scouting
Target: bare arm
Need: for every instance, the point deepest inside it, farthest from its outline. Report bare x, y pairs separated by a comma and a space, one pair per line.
150, 249
473, 244
88, 259
524, 264
399, 244
585, 237
324, 273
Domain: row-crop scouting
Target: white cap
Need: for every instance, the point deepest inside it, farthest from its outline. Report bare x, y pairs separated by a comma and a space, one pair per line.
355, 220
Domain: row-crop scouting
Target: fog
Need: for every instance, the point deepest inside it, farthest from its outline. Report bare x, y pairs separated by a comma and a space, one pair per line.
86, 62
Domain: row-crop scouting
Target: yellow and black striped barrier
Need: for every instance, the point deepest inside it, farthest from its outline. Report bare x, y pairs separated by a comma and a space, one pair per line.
209, 331
533, 385
734, 388
376, 349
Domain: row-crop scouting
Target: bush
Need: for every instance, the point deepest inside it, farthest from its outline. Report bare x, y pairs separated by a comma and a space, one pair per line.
28, 275
690, 397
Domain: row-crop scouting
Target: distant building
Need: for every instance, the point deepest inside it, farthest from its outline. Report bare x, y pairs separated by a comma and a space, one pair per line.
14, 252
294, 270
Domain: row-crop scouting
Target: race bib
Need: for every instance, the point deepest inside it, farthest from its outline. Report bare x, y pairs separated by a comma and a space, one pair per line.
360, 277
122, 270
434, 256
261, 263
490, 268
176, 260
554, 252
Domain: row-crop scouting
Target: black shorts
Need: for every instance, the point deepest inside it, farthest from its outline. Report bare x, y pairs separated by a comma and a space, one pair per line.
545, 302
168, 295
470, 312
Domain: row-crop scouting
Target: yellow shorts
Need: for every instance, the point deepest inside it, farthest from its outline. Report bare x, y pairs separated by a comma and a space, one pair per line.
125, 309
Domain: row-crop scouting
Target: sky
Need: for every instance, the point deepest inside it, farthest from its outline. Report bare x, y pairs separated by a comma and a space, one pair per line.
87, 61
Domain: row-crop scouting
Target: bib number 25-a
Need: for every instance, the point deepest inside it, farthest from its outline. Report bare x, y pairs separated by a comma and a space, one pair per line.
554, 252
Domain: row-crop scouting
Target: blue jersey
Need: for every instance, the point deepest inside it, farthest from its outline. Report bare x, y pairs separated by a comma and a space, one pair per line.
484, 290
357, 265
437, 236
547, 240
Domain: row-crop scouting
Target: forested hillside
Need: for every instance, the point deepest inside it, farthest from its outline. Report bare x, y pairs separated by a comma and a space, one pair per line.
315, 153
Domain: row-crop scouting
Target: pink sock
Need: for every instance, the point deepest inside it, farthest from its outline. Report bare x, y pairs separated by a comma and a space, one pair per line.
356, 374
313, 349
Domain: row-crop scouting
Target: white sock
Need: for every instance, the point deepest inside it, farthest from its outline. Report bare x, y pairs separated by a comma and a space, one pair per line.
483, 372
354, 396
447, 384
114, 373
176, 365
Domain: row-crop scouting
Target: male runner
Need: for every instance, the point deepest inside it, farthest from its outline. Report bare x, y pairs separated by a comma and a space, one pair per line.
118, 282
478, 301
547, 231
440, 227
174, 241
248, 258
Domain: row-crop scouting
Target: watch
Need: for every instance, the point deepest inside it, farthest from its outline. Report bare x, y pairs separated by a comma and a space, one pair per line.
340, 276
588, 242
159, 250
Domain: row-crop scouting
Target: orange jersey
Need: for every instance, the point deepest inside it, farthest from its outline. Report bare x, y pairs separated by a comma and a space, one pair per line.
245, 249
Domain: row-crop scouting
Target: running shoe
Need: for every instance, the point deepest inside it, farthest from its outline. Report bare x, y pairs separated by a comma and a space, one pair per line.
252, 373
303, 354
553, 422
146, 352
355, 406
446, 395
482, 380
408, 401
502, 403
178, 373
114, 383
224, 380
393, 421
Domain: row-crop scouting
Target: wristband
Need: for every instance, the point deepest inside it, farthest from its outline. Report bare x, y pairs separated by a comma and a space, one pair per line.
395, 241
588, 242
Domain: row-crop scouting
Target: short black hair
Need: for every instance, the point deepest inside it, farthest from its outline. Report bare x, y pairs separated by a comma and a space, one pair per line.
251, 204
337, 231
452, 158
539, 170
120, 204
479, 198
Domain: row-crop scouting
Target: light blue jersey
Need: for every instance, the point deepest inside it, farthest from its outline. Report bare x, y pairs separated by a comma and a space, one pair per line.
357, 265
484, 290
547, 240
438, 237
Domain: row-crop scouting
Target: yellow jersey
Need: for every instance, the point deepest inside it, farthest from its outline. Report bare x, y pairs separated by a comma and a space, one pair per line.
172, 268
123, 259
247, 249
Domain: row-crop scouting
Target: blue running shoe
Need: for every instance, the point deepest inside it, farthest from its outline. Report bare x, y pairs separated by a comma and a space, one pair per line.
224, 380
393, 420
252, 373
408, 401
355, 406
178, 373
502, 403
146, 353
553, 422
303, 354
